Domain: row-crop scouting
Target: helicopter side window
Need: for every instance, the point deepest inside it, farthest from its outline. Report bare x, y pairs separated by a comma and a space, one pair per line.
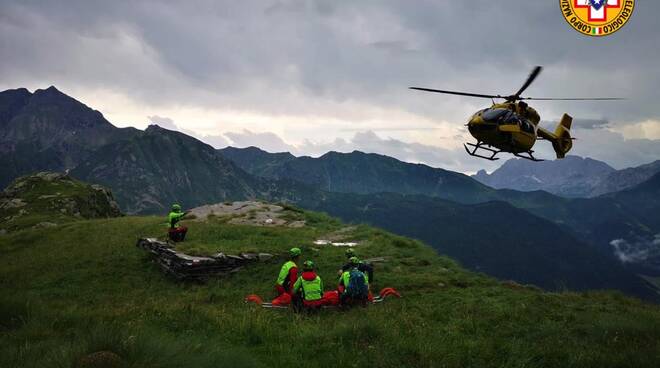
510, 118
526, 126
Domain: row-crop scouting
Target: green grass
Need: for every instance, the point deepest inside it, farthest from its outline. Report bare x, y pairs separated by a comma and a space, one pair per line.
84, 287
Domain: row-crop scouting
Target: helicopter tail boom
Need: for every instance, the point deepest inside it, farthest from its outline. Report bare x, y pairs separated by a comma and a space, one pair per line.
561, 138
563, 143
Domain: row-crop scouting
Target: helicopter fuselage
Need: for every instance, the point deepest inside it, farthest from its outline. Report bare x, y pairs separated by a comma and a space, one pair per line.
509, 126
513, 126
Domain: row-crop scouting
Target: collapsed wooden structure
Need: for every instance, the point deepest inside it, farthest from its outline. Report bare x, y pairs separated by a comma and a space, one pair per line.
182, 266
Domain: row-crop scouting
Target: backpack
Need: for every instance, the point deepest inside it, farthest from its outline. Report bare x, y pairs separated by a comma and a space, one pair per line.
357, 285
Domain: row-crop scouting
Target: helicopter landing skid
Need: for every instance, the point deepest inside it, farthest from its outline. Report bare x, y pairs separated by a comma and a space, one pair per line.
528, 156
479, 146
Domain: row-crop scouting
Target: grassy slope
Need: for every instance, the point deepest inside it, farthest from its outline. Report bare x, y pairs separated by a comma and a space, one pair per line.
84, 287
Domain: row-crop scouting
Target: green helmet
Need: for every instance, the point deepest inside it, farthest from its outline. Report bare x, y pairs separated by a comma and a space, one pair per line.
176, 207
354, 261
350, 253
295, 252
308, 265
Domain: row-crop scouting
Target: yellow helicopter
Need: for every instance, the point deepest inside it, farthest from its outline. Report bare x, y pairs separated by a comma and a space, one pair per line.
513, 126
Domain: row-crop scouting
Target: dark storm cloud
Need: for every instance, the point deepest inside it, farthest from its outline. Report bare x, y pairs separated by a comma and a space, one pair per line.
251, 52
308, 58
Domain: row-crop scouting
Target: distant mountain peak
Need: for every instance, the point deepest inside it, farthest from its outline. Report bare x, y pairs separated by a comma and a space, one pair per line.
154, 128
51, 91
21, 91
52, 96
573, 176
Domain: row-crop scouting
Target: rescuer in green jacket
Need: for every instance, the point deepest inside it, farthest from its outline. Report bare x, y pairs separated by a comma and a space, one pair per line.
363, 266
288, 273
311, 286
176, 232
354, 284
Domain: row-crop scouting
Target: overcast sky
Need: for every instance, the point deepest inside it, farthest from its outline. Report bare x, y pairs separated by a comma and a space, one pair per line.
313, 76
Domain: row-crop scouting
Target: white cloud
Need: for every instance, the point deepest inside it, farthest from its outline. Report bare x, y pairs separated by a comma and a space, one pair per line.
217, 141
267, 141
637, 250
163, 122
649, 129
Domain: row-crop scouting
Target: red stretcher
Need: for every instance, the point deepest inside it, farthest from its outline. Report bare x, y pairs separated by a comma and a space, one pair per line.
330, 299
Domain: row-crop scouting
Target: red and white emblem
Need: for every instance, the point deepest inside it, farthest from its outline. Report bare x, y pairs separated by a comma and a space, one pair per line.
597, 8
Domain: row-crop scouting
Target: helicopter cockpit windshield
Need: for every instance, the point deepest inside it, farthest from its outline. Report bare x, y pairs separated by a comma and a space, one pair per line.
499, 116
506, 117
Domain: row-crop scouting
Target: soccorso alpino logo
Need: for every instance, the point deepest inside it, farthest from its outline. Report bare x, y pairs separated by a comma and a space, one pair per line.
597, 17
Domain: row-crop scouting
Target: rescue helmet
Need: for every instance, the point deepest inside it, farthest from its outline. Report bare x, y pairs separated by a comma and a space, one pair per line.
294, 252
176, 207
308, 265
354, 261
350, 253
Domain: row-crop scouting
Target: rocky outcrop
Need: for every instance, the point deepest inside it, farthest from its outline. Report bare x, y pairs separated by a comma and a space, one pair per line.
46, 199
250, 213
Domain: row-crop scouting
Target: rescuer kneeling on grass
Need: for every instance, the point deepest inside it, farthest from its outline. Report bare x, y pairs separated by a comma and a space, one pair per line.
288, 273
176, 232
309, 287
354, 285
367, 269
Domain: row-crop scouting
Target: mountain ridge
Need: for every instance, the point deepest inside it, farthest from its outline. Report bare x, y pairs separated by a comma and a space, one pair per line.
363, 173
571, 177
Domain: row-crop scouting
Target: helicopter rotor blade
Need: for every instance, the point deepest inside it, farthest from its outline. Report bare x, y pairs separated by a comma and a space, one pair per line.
573, 99
456, 93
532, 76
